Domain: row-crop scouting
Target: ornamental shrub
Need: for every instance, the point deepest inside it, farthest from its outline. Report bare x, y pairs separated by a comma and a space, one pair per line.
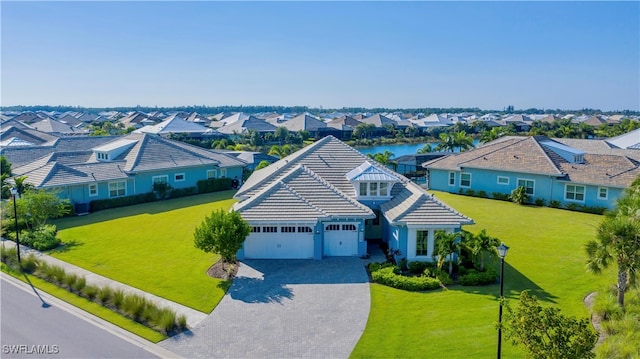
41, 239
473, 278
416, 267
386, 276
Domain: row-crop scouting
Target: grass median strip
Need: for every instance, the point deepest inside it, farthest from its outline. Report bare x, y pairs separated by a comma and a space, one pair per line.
88, 306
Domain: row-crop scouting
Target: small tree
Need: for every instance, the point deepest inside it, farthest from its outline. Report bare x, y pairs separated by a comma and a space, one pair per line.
519, 195
37, 206
546, 333
447, 243
223, 233
479, 244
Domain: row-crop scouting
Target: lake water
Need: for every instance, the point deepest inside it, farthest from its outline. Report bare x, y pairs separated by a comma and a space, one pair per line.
401, 149
398, 150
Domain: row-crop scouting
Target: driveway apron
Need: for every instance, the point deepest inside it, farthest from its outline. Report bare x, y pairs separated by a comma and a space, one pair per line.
284, 309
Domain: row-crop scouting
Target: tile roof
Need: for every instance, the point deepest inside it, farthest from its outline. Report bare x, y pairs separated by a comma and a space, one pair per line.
53, 126
304, 122
244, 125
315, 178
174, 124
49, 166
602, 165
379, 120
516, 154
411, 205
26, 134
304, 196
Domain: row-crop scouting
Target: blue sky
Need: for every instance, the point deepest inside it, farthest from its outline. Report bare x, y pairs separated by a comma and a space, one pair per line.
567, 55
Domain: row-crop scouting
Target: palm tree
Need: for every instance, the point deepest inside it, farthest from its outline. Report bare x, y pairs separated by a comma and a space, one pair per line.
462, 141
480, 244
618, 240
446, 143
447, 243
426, 149
493, 134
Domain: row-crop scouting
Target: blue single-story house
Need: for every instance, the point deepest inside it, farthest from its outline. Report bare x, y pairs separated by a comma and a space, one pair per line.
593, 174
328, 199
84, 169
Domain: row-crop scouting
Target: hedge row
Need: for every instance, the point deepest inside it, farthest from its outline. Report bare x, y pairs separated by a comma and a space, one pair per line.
387, 276
214, 185
204, 186
132, 306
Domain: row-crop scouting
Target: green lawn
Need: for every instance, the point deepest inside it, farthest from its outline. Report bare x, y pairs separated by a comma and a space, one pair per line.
546, 255
149, 246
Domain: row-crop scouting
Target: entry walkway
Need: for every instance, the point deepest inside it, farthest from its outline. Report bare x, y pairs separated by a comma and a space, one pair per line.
193, 316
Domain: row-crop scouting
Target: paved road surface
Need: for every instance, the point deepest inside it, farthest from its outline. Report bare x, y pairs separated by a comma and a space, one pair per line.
27, 322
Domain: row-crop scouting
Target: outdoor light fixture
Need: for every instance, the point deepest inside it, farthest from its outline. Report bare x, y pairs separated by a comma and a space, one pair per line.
502, 252
14, 192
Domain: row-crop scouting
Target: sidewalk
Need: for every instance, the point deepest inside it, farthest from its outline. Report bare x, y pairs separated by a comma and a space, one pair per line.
193, 316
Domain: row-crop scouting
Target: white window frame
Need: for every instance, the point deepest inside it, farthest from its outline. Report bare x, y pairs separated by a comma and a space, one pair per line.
533, 188
503, 178
212, 173
155, 179
93, 189
175, 177
574, 192
223, 173
386, 189
464, 174
117, 183
426, 231
452, 179
606, 193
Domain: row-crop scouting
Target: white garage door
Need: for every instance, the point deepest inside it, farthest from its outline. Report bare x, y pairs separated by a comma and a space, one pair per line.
341, 239
279, 242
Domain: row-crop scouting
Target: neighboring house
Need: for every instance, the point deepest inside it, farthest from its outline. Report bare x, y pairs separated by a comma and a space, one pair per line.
548, 169
305, 122
23, 133
56, 127
341, 127
245, 125
174, 125
84, 169
252, 159
328, 199
629, 140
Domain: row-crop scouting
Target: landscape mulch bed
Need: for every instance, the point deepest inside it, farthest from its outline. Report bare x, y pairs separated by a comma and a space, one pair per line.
223, 270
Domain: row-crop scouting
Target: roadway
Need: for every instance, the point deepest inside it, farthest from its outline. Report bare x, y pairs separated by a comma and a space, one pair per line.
36, 325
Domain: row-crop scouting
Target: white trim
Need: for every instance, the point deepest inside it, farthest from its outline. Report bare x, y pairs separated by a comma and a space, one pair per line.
527, 179
175, 177
96, 189
575, 191
214, 172
503, 183
465, 173
449, 179
223, 173
606, 194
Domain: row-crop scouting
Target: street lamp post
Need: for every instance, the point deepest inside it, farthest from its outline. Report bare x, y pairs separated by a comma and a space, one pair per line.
14, 192
502, 252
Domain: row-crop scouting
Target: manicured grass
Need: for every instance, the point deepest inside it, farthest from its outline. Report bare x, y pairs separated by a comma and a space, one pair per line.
546, 256
88, 306
150, 247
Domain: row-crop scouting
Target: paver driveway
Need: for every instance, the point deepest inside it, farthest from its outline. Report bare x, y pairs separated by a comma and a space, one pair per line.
284, 309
